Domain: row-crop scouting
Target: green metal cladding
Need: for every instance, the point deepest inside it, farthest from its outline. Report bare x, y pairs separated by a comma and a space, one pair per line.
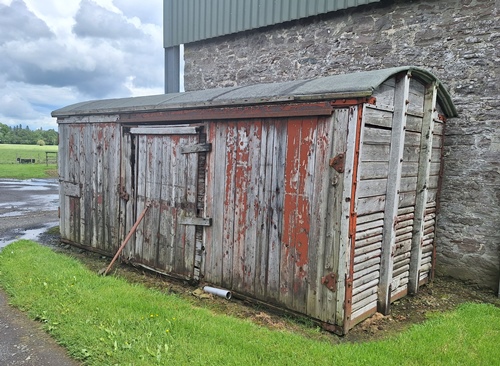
187, 21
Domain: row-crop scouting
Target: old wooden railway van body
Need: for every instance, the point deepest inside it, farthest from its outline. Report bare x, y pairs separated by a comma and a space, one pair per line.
316, 196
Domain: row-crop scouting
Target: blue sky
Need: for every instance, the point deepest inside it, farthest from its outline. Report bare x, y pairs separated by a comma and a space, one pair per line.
58, 52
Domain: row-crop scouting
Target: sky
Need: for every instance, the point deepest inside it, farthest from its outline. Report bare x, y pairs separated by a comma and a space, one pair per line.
54, 53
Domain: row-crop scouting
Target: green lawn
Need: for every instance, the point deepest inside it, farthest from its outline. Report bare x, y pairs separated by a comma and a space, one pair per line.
107, 321
10, 168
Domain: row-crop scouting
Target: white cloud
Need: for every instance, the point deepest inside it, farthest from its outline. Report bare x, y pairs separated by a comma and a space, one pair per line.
58, 52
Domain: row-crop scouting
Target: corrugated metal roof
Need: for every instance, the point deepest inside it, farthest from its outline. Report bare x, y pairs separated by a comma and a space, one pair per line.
360, 84
188, 21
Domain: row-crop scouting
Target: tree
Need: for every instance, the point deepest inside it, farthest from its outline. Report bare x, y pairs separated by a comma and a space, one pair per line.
19, 135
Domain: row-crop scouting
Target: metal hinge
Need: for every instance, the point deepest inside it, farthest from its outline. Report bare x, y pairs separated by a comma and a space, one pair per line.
330, 281
338, 162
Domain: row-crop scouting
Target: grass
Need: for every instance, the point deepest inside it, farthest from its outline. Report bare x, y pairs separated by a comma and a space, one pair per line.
10, 168
107, 321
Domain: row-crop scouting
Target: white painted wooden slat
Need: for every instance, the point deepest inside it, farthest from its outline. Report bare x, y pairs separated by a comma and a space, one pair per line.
365, 256
344, 253
367, 241
392, 194
368, 218
370, 205
370, 301
360, 227
369, 233
369, 307
360, 269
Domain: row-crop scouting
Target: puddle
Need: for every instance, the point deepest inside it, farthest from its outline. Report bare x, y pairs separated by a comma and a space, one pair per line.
30, 234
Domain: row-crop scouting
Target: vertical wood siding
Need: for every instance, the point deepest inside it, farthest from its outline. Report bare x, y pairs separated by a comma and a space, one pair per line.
283, 219
167, 179
89, 154
268, 190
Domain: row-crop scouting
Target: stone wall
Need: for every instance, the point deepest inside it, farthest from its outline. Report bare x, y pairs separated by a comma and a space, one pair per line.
458, 41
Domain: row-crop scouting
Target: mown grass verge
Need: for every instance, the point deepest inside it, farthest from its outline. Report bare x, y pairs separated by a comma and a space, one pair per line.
107, 321
28, 171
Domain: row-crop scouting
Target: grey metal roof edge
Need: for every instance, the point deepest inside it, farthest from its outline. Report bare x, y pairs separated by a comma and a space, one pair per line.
360, 84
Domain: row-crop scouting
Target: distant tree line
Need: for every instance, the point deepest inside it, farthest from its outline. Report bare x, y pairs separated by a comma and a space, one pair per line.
20, 135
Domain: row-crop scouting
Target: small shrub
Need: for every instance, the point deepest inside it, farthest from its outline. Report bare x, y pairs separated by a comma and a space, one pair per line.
40, 143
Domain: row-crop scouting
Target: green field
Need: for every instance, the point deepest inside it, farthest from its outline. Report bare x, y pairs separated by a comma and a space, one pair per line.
10, 167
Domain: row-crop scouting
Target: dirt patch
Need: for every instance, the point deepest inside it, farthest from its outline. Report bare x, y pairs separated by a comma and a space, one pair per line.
443, 294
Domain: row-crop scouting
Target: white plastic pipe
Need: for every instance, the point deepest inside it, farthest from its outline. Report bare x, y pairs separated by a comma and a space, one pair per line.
218, 291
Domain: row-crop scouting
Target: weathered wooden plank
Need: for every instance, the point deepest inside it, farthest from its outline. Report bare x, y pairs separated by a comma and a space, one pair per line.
368, 218
366, 256
358, 283
392, 195
372, 187
279, 133
196, 148
367, 241
375, 153
251, 226
404, 245
364, 304
357, 289
369, 205
407, 199
171, 130
263, 197
216, 165
438, 128
366, 249
228, 249
343, 263
364, 269
373, 170
200, 221
335, 220
364, 312
359, 268
356, 299
416, 97
70, 188
402, 224
192, 202
241, 205
414, 122
369, 233
360, 227
322, 190
88, 188
377, 117
376, 136
384, 94
298, 191
141, 165
401, 270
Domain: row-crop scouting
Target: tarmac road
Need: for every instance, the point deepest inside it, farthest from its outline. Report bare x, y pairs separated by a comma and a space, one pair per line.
27, 209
